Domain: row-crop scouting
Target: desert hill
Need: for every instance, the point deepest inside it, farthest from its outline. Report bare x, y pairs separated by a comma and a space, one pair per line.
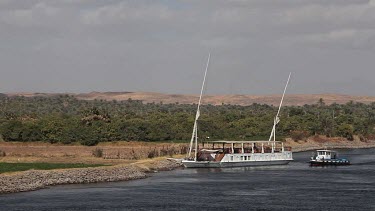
150, 97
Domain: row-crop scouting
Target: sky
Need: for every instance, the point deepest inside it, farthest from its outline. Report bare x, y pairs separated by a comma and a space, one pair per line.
162, 46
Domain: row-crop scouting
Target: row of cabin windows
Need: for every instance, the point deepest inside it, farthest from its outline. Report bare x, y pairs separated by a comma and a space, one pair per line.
324, 153
245, 157
248, 157
242, 158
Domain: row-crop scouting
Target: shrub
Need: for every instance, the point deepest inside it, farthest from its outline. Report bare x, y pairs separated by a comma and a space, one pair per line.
362, 138
370, 137
346, 131
2, 153
152, 153
89, 142
320, 139
297, 135
183, 150
171, 151
97, 152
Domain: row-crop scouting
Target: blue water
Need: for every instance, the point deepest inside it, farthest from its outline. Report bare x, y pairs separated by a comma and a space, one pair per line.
296, 186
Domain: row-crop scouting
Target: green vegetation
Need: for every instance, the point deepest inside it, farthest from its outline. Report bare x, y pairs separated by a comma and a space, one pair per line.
97, 152
13, 167
66, 119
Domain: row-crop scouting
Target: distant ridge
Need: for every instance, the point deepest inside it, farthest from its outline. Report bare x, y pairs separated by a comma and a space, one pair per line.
152, 97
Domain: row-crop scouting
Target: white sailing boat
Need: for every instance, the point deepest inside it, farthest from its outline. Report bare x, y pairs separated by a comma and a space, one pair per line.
236, 153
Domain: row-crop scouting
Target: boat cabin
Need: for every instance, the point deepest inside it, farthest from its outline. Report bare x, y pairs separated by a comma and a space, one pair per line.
241, 150
324, 155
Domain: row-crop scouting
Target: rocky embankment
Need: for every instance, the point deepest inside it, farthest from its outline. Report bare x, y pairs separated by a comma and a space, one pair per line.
38, 179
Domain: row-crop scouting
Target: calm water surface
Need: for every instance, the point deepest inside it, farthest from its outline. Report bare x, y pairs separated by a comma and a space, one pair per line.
296, 186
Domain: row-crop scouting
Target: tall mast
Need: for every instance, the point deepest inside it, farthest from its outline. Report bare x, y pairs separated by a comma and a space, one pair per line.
277, 119
194, 136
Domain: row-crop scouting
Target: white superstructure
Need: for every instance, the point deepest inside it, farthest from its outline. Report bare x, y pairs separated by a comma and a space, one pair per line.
240, 153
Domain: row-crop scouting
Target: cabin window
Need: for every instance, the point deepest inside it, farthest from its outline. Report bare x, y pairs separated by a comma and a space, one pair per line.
245, 157
231, 158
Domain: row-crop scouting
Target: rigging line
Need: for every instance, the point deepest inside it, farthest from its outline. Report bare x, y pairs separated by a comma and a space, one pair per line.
277, 120
282, 98
204, 81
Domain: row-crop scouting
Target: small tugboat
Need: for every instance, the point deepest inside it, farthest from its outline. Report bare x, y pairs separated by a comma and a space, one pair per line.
327, 157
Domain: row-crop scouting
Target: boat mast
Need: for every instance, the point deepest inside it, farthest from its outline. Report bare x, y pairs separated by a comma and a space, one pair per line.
194, 136
277, 119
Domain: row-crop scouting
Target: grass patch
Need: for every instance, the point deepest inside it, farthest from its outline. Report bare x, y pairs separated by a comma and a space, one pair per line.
13, 167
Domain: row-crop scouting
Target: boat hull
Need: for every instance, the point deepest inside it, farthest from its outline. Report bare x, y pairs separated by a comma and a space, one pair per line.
214, 164
329, 162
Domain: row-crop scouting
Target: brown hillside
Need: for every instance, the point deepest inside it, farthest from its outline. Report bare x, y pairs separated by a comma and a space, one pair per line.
295, 99
150, 97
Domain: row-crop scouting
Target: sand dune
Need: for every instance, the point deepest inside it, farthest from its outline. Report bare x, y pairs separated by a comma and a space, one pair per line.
152, 97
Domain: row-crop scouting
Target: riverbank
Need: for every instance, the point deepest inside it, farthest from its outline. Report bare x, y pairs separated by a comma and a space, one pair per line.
111, 153
322, 142
38, 179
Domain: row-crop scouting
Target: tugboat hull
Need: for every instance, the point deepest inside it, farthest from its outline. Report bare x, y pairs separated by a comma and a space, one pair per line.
333, 162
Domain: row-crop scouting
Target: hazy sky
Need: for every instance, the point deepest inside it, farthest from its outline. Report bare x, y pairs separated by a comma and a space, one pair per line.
162, 46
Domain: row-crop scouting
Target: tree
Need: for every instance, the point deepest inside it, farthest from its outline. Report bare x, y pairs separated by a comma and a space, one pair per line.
346, 131
12, 130
321, 102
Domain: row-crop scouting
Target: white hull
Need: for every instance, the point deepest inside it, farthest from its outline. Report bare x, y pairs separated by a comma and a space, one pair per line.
213, 164
238, 160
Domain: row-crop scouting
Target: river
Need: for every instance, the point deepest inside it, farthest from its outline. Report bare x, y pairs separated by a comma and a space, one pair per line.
296, 186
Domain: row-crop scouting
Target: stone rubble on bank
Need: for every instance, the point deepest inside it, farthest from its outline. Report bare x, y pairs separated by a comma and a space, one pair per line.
38, 179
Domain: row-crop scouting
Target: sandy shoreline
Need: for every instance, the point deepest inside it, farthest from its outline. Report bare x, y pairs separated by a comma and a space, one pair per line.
37, 179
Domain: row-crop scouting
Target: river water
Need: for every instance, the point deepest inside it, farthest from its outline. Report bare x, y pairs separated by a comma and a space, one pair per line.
296, 186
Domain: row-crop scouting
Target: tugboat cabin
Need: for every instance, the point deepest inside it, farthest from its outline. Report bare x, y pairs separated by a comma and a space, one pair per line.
325, 154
